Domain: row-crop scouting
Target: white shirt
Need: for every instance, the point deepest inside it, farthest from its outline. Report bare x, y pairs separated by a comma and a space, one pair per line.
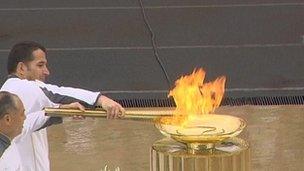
33, 149
10, 160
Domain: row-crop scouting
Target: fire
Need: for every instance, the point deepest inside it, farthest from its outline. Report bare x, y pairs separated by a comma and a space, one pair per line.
194, 98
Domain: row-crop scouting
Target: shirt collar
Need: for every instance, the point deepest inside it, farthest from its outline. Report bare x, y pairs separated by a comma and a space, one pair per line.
4, 139
11, 76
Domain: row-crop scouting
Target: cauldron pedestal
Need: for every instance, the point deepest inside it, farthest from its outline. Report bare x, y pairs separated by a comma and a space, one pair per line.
229, 155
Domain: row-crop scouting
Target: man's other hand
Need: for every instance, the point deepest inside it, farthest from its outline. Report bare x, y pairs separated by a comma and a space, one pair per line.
75, 105
114, 109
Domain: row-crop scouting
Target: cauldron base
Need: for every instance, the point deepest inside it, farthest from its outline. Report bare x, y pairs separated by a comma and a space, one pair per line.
230, 154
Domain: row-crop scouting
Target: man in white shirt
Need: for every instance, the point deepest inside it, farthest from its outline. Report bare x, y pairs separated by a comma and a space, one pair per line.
27, 61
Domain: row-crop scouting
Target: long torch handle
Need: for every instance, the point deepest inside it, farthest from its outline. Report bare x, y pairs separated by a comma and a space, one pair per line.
131, 113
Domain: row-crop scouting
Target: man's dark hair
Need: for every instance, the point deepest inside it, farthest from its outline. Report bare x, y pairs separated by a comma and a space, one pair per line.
7, 103
22, 52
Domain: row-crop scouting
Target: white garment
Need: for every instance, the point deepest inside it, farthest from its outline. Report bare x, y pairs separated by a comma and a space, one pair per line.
33, 149
10, 160
80, 94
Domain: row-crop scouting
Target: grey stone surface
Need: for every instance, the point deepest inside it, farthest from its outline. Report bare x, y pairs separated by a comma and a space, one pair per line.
106, 44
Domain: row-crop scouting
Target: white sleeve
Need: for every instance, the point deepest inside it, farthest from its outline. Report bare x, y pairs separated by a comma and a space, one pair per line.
31, 95
87, 96
33, 122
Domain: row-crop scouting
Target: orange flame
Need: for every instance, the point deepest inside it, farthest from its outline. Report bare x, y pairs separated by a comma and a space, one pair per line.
194, 98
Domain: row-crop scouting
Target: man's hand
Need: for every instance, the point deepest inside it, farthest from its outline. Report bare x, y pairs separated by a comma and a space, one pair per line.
114, 109
75, 105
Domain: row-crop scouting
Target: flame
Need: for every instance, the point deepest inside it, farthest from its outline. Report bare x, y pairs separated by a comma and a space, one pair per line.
194, 98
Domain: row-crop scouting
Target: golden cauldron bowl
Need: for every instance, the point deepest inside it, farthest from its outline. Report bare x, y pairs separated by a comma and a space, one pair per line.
203, 132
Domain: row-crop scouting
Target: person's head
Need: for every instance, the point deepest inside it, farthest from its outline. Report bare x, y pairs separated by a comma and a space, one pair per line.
28, 61
11, 114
